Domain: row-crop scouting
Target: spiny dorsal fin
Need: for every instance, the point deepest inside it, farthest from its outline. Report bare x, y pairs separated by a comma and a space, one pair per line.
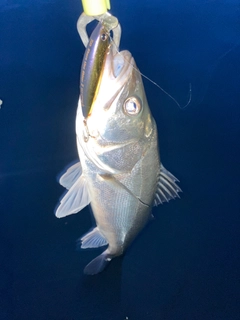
167, 188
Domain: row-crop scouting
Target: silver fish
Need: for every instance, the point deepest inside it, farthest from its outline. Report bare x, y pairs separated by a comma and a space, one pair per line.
120, 174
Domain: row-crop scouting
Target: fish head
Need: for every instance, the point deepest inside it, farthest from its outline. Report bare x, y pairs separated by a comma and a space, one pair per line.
119, 112
119, 127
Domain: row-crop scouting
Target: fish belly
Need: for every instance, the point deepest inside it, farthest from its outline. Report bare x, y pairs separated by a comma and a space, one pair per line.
122, 203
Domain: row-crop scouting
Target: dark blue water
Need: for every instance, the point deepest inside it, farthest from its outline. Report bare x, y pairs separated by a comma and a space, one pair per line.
185, 264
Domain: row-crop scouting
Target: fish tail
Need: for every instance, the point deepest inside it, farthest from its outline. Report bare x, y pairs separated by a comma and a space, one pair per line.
98, 264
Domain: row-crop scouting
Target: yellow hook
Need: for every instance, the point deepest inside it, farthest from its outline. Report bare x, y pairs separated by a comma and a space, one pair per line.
95, 7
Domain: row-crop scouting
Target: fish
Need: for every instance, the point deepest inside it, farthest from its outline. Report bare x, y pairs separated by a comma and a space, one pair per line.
120, 173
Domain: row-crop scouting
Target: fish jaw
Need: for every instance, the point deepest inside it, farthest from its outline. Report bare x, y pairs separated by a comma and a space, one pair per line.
116, 70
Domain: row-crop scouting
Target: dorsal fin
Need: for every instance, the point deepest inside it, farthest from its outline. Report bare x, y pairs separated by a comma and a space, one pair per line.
167, 188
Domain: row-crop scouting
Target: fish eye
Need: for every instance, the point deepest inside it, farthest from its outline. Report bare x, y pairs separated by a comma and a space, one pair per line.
104, 36
132, 106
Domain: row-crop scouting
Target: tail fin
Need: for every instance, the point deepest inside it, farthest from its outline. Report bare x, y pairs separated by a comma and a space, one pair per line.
98, 264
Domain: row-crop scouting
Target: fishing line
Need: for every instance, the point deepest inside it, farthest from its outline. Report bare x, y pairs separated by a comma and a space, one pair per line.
157, 85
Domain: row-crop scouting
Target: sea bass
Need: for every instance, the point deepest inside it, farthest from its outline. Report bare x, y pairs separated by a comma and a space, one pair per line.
119, 174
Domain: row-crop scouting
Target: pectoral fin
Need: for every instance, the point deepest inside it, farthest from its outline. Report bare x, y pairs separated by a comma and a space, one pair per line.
74, 200
71, 175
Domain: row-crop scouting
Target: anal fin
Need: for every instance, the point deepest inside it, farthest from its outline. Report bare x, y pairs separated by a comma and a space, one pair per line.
93, 239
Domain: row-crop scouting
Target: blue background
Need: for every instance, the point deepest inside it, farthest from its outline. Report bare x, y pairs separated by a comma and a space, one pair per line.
185, 264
